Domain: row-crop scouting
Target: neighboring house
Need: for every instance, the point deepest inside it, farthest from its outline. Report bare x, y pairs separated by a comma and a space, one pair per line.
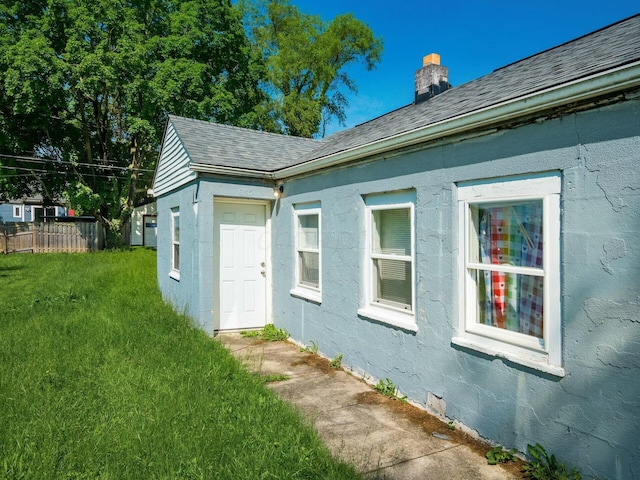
29, 210
144, 225
479, 247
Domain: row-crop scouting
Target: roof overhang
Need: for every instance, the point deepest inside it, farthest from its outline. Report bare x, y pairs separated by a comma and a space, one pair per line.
604, 83
231, 171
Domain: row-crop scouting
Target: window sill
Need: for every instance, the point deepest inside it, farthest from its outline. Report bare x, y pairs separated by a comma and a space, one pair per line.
311, 295
532, 363
405, 321
175, 275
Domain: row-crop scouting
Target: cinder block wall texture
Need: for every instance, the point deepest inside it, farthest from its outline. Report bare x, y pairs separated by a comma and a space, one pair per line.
589, 418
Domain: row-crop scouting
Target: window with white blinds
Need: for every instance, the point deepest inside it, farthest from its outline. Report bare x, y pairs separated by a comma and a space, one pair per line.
389, 272
391, 257
307, 251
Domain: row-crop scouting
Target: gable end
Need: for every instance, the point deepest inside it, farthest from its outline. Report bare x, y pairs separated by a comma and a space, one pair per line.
173, 164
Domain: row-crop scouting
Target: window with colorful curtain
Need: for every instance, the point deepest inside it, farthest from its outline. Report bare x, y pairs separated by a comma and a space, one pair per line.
509, 268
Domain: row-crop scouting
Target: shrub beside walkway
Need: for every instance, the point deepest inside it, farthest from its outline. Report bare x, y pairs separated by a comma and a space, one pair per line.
359, 425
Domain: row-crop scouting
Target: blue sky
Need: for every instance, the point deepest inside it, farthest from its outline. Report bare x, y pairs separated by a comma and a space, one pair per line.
473, 38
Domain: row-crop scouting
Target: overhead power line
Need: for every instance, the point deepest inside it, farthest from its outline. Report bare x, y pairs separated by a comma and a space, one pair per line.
25, 169
35, 171
65, 162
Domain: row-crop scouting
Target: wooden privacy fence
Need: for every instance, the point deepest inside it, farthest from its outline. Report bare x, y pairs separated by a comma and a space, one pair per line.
51, 237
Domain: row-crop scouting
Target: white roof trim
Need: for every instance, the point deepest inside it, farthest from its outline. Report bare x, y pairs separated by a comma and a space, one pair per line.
611, 81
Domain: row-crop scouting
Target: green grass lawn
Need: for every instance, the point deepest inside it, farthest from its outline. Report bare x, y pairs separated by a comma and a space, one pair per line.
99, 378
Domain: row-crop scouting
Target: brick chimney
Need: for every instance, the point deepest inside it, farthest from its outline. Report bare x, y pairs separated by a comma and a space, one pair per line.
431, 79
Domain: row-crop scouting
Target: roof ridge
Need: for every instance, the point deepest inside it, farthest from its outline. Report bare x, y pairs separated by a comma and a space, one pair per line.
212, 124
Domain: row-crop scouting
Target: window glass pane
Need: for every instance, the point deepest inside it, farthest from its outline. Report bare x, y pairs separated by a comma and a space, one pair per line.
392, 231
176, 256
507, 234
176, 228
510, 301
309, 269
308, 231
393, 281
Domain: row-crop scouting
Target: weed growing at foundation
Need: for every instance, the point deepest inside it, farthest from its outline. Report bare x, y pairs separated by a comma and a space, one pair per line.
336, 363
273, 334
498, 454
310, 349
545, 467
269, 333
386, 387
451, 425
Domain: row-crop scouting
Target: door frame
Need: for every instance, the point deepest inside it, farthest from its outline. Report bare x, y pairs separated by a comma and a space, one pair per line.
216, 258
144, 228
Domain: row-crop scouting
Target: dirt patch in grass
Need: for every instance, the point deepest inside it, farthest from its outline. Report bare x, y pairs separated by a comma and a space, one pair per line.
431, 424
316, 361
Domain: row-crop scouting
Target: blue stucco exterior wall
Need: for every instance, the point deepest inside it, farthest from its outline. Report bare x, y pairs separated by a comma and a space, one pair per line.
6, 213
193, 292
589, 418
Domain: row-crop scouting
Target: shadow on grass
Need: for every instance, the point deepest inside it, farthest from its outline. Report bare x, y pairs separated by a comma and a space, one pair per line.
8, 271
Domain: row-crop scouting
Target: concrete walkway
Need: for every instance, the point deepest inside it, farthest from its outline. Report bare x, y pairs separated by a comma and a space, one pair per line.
379, 441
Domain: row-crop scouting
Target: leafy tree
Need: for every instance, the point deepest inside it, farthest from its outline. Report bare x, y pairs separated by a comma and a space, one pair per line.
85, 85
306, 61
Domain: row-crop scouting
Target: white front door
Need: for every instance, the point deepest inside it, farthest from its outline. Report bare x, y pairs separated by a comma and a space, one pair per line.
240, 256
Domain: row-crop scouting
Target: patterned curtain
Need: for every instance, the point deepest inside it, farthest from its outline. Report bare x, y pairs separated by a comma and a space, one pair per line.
512, 235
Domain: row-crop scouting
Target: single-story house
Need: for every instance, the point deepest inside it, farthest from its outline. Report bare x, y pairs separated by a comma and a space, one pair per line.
29, 209
477, 247
144, 225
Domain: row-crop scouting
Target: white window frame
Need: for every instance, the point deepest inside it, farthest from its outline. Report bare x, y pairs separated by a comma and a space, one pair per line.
388, 313
543, 354
175, 270
300, 289
17, 211
34, 212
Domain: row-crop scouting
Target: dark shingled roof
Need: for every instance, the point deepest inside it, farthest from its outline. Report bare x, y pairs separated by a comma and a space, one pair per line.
227, 146
608, 48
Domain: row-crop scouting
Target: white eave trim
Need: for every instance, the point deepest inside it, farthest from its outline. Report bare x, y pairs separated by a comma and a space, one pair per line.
230, 171
611, 81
